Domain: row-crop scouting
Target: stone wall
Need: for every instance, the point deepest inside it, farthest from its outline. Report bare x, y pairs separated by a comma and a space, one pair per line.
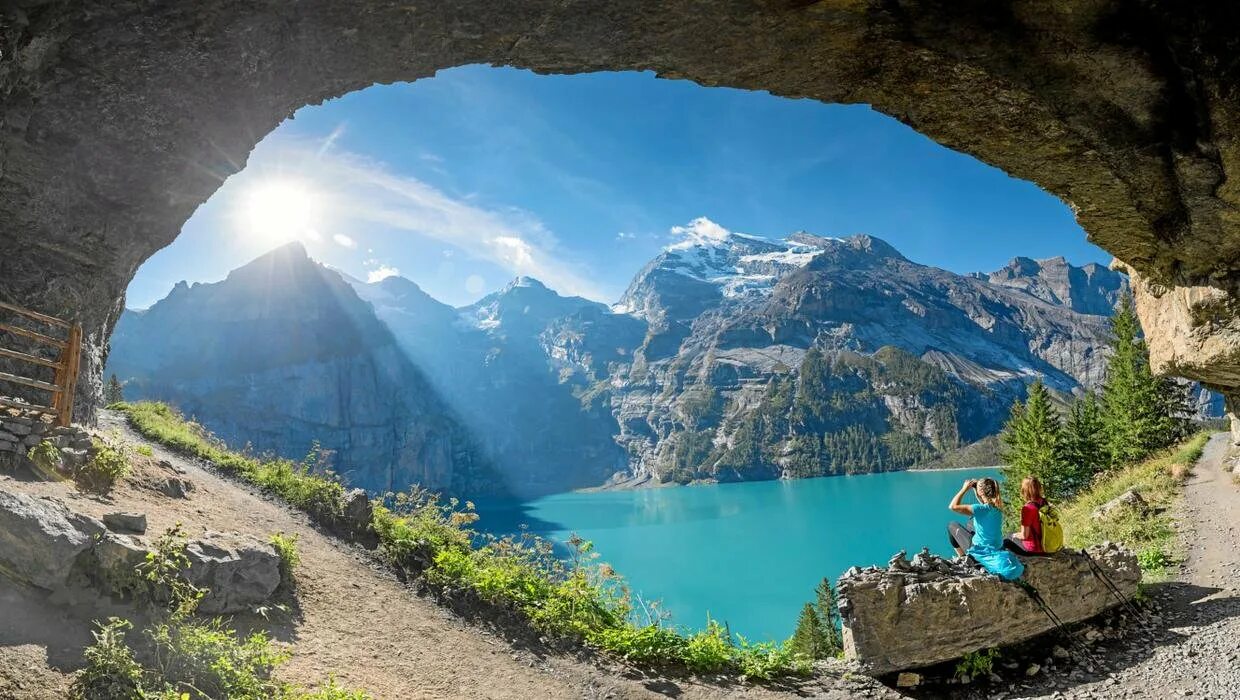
21, 430
931, 610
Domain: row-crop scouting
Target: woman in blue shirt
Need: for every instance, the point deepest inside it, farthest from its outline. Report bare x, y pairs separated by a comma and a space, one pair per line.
984, 542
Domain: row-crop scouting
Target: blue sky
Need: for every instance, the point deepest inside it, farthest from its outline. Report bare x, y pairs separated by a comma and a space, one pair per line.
463, 181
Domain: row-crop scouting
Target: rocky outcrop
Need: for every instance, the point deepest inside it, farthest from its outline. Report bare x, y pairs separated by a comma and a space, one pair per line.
930, 610
1128, 500
41, 540
46, 545
1192, 331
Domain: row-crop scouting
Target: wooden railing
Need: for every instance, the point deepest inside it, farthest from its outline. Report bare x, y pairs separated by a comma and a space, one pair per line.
66, 365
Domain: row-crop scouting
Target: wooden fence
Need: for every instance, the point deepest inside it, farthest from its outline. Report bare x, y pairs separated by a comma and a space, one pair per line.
66, 365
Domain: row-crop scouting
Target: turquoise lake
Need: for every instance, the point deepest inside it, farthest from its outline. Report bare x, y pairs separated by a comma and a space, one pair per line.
749, 554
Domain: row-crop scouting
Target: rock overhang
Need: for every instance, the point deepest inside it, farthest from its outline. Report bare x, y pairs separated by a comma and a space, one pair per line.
118, 120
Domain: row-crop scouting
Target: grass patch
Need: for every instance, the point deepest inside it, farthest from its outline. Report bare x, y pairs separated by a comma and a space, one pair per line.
573, 598
286, 548
1159, 480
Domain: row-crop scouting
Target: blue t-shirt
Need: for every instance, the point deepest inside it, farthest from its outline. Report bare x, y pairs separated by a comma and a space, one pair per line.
987, 547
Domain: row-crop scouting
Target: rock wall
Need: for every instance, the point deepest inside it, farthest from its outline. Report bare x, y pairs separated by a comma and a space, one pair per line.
118, 119
21, 430
931, 610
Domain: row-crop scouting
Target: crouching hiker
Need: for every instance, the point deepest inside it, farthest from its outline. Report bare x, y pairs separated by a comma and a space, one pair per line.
984, 541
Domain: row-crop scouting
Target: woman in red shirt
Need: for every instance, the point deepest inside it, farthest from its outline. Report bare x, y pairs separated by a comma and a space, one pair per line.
1029, 539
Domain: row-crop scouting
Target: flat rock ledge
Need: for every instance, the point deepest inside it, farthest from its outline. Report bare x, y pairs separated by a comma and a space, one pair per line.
930, 610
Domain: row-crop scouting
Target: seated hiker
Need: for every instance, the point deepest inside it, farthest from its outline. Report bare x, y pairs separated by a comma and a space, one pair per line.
1039, 522
984, 541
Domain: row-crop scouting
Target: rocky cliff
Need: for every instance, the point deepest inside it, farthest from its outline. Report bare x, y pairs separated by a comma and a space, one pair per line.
812, 355
282, 355
729, 357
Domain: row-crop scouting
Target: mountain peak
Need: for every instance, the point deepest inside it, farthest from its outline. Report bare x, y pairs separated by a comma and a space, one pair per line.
526, 282
871, 244
1090, 289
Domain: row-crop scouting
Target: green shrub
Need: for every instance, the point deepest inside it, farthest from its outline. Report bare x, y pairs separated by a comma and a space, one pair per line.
1153, 559
145, 450
977, 663
111, 672
647, 645
46, 457
211, 660
765, 661
103, 470
160, 583
286, 548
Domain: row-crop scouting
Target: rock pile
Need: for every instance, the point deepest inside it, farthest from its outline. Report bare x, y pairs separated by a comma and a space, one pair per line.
929, 610
46, 545
22, 429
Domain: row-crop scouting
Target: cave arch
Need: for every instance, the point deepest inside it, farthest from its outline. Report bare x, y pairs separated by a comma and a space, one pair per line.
120, 119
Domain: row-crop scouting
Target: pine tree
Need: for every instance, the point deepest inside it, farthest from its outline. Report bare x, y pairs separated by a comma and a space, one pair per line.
1033, 446
1084, 443
809, 638
828, 610
1140, 413
114, 392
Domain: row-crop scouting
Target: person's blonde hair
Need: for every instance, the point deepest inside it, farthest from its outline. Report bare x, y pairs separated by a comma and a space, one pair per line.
1031, 489
988, 492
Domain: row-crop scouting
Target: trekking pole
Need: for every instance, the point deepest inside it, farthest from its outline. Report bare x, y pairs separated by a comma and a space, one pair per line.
1073, 640
1102, 575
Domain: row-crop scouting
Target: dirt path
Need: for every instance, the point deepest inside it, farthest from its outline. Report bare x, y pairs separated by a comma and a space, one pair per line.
1193, 647
353, 618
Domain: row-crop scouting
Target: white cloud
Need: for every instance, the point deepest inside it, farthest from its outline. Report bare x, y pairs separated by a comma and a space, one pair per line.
700, 231
330, 141
359, 194
625, 236
381, 273
344, 240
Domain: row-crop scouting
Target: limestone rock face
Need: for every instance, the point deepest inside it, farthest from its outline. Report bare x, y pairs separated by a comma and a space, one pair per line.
119, 119
41, 540
928, 612
238, 571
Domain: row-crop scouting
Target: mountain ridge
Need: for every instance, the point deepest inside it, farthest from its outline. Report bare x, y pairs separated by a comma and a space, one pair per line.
728, 357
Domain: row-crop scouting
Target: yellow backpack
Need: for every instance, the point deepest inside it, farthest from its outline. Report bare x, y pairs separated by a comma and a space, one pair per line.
1052, 531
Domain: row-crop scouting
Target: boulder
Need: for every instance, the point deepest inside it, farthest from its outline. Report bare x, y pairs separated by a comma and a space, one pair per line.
41, 540
126, 522
909, 617
358, 519
175, 486
115, 559
1126, 500
238, 571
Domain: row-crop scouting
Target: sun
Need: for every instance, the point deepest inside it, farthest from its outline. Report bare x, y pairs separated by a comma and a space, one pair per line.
278, 211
